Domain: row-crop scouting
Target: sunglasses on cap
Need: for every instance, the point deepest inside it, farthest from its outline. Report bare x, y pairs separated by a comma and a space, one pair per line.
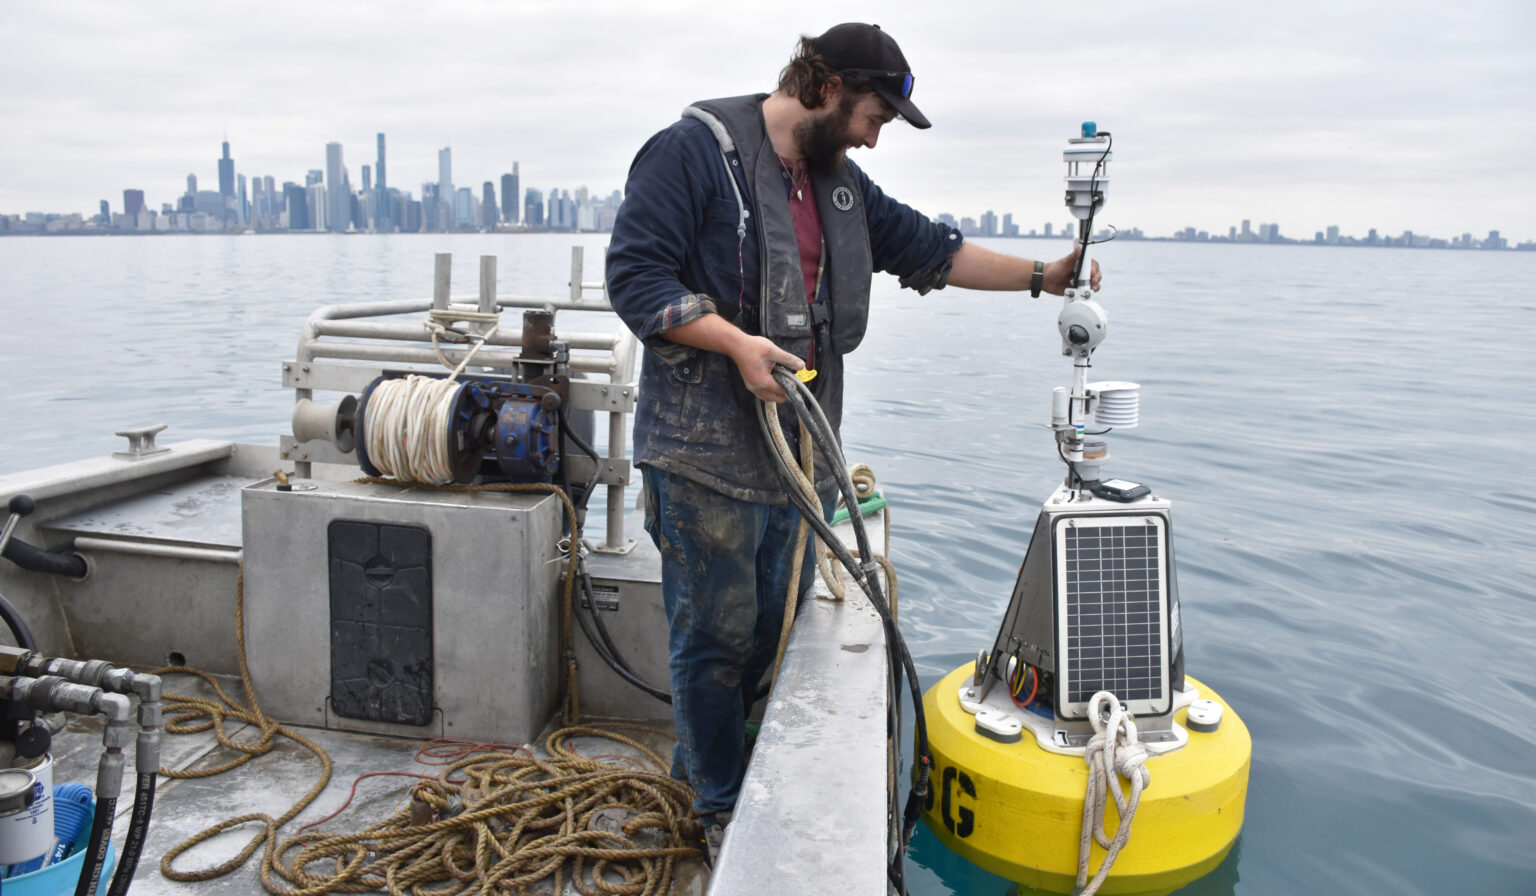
901, 82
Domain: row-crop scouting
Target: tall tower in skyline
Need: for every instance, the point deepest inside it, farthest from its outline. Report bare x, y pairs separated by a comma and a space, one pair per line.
338, 211
226, 173
381, 220
227, 182
378, 168
443, 214
511, 197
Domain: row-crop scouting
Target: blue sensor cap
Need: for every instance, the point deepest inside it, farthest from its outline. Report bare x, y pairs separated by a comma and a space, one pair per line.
1090, 128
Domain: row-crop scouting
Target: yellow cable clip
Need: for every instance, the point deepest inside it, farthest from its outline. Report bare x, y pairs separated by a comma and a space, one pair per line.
805, 374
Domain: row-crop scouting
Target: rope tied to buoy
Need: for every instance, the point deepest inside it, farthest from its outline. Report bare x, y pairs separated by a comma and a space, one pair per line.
1114, 752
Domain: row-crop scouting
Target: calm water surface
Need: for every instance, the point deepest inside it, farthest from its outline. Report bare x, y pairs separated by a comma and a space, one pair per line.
1347, 436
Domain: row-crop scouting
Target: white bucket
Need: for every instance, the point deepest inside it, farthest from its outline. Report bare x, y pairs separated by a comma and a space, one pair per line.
26, 812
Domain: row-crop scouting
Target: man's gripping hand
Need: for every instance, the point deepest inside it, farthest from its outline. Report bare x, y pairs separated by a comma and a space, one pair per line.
755, 358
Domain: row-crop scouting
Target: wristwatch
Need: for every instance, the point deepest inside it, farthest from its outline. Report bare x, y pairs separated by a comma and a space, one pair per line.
1037, 281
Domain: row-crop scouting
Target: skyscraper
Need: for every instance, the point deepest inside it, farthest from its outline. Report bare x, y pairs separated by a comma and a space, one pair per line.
443, 214
338, 211
463, 208
227, 182
297, 201
378, 169
488, 206
511, 197
382, 220
533, 208
133, 202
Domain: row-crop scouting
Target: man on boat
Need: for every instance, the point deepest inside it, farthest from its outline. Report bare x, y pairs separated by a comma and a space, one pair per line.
747, 239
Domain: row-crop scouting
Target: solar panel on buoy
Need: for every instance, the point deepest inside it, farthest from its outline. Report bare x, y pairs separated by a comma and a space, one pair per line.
1112, 607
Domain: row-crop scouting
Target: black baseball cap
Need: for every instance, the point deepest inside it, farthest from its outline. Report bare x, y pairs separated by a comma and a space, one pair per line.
855, 48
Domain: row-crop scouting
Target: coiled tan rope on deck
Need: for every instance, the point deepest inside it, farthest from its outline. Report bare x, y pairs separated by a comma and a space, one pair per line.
524, 818
190, 715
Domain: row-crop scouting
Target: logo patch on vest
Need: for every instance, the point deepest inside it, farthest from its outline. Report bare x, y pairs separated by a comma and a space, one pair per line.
842, 198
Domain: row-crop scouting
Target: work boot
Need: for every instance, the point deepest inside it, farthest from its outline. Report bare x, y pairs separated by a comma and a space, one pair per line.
714, 836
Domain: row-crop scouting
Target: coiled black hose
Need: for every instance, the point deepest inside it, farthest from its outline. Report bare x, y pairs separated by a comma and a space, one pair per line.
811, 414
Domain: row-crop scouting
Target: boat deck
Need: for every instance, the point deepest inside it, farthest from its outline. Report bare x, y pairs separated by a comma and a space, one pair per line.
371, 782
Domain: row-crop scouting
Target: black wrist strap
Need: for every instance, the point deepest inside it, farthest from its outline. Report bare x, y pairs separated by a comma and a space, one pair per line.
1037, 281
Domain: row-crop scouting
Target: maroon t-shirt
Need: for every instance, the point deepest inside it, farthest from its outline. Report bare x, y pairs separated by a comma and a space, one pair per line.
802, 208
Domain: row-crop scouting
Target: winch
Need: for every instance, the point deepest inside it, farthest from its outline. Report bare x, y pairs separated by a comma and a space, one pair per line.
462, 426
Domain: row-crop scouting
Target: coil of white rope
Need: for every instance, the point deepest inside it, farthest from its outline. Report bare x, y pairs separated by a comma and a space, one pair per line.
409, 420
1114, 752
407, 428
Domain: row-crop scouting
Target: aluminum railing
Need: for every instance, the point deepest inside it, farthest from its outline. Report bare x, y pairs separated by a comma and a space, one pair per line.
344, 348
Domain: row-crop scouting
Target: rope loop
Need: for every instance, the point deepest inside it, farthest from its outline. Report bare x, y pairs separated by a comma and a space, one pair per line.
1114, 752
445, 331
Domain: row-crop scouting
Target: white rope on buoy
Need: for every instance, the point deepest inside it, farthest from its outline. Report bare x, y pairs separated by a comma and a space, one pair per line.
1114, 746
408, 425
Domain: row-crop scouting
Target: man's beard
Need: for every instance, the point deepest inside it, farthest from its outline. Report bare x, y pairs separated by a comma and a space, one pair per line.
823, 139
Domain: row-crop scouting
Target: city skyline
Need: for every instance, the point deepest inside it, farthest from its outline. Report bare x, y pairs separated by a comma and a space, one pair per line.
1357, 115
378, 207
319, 206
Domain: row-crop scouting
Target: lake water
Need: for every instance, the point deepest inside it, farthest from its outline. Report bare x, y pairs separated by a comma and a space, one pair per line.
1347, 434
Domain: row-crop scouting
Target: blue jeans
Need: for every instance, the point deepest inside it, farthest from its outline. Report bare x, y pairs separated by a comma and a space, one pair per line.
725, 568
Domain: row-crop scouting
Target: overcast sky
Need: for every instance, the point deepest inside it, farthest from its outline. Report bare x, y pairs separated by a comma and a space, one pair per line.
1393, 115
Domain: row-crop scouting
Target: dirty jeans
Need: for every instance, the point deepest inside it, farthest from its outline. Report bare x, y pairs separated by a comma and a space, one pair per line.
725, 567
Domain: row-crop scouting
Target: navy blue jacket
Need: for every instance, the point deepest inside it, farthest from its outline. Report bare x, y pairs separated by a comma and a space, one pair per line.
675, 255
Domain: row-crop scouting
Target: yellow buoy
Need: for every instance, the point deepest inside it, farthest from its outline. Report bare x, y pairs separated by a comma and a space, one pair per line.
1016, 809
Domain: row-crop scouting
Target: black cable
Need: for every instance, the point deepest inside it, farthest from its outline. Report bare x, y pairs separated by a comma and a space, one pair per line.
96, 850
810, 412
17, 625
592, 625
587, 449
1086, 234
614, 662
138, 829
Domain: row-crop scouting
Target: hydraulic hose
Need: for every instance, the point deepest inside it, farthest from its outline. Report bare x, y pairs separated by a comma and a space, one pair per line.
18, 626
119, 681
605, 648
591, 623
96, 850
811, 414
59, 561
138, 829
